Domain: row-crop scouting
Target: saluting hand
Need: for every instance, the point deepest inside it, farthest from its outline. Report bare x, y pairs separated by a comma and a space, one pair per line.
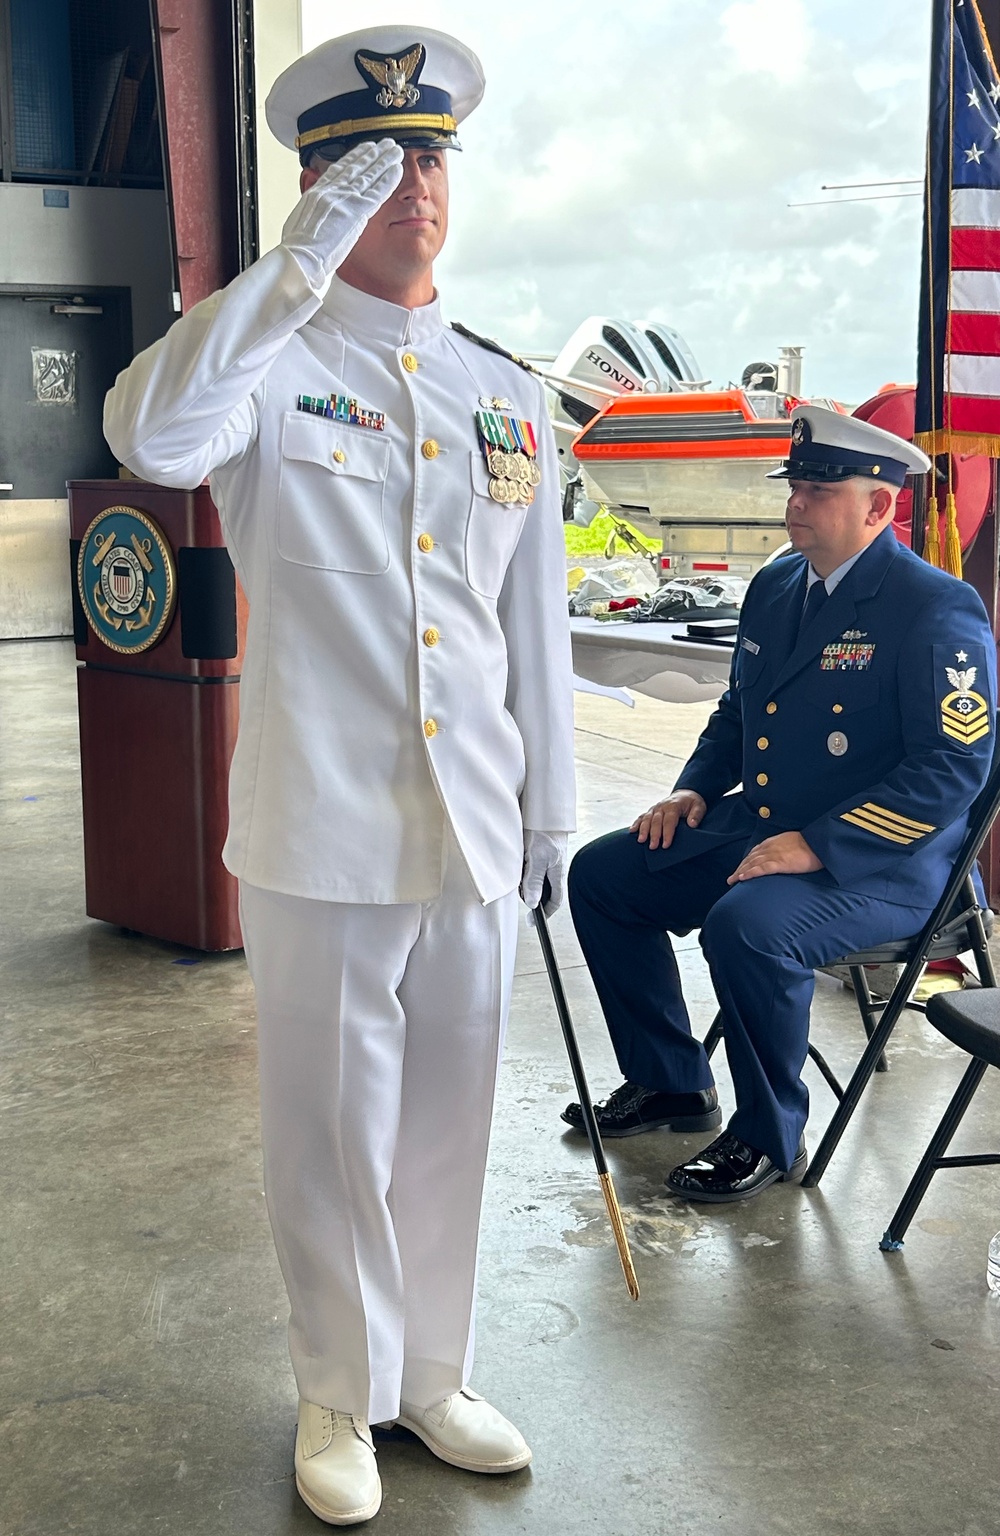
329, 217
658, 825
786, 854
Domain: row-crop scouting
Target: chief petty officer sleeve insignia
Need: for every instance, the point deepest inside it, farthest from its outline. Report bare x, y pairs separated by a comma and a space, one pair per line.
965, 714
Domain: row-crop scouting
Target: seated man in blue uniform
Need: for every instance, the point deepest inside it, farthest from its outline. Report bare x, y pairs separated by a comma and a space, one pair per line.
819, 813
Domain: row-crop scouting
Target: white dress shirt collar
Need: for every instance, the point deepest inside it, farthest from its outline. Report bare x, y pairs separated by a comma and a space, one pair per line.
835, 577
370, 319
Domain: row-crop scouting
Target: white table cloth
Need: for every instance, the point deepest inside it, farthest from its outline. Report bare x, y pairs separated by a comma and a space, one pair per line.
656, 659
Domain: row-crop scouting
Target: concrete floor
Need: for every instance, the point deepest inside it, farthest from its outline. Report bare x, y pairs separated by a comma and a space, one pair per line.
778, 1375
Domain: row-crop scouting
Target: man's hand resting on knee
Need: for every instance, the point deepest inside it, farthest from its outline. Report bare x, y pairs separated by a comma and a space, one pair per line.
658, 825
786, 854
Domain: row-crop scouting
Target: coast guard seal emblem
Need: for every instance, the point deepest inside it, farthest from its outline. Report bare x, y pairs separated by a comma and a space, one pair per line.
126, 579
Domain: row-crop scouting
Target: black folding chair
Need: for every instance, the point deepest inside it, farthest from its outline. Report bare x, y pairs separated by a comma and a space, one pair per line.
970, 1020
956, 925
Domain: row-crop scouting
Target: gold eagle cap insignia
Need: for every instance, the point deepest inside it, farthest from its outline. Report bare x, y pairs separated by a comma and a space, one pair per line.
394, 75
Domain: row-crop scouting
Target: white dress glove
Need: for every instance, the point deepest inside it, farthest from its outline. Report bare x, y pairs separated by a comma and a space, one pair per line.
328, 219
544, 854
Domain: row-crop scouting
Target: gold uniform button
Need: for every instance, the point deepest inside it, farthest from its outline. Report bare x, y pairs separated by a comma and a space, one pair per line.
410, 363
772, 708
340, 456
431, 636
762, 778
838, 709
763, 743
430, 449
430, 728
425, 543
763, 811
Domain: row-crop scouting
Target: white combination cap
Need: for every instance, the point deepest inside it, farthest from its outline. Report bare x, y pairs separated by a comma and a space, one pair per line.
827, 445
406, 83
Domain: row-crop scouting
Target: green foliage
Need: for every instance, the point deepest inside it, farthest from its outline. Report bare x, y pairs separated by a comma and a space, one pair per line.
593, 540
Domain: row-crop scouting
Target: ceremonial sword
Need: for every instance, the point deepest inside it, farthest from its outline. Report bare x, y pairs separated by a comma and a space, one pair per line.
583, 1093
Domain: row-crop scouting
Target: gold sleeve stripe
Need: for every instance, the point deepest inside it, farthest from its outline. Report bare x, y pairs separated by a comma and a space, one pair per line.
906, 822
876, 817
966, 734
869, 825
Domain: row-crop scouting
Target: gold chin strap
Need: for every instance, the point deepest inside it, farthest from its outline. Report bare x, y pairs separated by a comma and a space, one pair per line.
440, 122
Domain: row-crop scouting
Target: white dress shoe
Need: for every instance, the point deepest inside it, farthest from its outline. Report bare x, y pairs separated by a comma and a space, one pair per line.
465, 1431
335, 1469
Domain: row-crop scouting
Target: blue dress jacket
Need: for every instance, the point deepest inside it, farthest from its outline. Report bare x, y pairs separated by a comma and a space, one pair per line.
871, 734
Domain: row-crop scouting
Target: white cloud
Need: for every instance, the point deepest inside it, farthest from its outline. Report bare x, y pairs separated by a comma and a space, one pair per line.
767, 36
642, 166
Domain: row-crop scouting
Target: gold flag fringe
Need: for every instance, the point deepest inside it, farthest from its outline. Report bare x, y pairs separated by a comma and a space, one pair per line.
944, 440
932, 534
952, 544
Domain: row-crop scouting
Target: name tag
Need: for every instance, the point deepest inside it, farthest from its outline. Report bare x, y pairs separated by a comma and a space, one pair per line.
750, 645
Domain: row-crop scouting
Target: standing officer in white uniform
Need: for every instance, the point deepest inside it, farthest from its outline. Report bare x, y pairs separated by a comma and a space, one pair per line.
388, 490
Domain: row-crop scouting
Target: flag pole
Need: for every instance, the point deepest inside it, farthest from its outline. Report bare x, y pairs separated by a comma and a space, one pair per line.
932, 532
952, 554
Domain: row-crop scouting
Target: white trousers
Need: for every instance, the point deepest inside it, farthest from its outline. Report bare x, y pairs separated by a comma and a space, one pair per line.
380, 1032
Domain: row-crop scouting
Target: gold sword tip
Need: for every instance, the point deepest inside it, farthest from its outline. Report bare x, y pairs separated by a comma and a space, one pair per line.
621, 1237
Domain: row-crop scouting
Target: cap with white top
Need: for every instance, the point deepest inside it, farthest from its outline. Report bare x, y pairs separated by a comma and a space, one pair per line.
407, 83
827, 445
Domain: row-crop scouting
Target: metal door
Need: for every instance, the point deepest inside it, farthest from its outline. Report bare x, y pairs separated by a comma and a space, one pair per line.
59, 355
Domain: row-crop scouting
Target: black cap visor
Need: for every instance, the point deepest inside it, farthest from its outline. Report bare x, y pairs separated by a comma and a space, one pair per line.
892, 471
333, 150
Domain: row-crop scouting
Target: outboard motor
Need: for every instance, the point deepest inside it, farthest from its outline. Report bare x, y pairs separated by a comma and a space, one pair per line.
605, 357
675, 354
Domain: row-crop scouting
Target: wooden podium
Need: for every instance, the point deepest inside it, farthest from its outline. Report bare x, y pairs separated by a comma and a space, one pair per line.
157, 724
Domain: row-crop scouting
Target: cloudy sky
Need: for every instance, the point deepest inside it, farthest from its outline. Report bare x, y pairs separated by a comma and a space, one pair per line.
642, 166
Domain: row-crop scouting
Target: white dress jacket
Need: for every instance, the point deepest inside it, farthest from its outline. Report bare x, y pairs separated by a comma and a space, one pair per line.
408, 653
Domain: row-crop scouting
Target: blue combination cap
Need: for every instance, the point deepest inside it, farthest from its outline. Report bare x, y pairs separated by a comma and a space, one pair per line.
410, 84
827, 445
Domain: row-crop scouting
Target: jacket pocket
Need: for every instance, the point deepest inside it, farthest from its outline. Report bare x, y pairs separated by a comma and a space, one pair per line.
492, 533
331, 494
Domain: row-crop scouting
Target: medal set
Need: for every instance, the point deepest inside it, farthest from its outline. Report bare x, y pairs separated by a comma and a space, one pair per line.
509, 447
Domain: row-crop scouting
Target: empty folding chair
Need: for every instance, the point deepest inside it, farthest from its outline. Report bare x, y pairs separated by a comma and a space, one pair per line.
970, 1020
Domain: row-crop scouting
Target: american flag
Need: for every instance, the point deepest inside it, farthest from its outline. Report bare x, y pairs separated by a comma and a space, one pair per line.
958, 379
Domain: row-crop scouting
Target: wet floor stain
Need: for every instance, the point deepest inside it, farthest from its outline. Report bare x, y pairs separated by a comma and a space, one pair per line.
938, 1227
535, 1320
654, 1224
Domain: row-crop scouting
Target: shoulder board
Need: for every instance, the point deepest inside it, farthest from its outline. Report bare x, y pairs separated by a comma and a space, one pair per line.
492, 346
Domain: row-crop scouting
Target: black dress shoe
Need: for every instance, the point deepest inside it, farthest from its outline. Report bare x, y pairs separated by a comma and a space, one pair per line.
728, 1169
632, 1109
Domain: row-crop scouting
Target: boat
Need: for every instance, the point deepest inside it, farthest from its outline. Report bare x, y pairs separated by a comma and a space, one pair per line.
641, 435
692, 468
